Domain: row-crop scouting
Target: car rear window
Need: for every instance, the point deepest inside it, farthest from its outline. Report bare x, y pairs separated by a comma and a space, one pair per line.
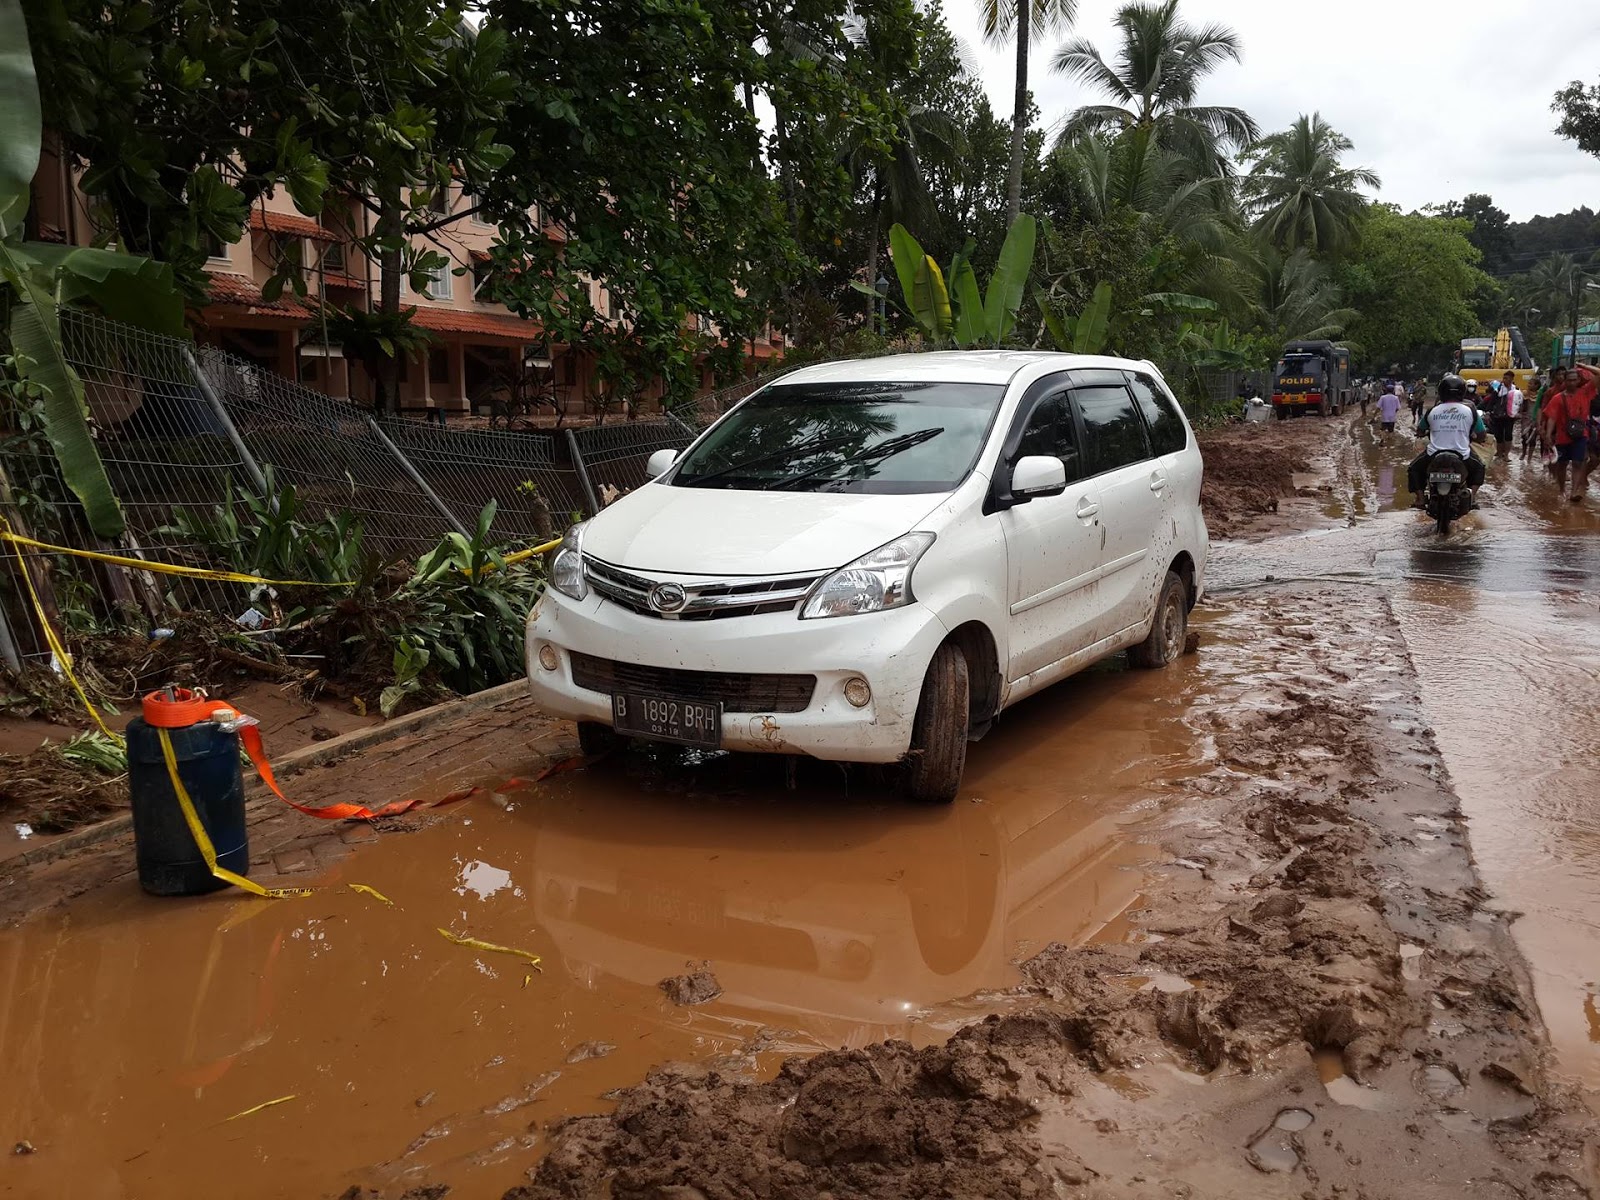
1113, 434
1167, 432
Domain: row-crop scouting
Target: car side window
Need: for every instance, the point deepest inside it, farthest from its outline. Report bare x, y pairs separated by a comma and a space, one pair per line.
1113, 434
1167, 434
1050, 430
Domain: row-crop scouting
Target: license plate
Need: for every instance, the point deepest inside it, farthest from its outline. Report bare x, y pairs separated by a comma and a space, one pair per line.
667, 719
1444, 479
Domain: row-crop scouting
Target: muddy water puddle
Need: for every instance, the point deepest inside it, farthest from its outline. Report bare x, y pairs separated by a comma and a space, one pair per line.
135, 1031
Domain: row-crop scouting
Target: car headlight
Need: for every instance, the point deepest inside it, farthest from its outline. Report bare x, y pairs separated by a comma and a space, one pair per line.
873, 583
566, 572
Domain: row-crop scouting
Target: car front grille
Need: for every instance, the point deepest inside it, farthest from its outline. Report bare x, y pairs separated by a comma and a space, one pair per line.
705, 598
735, 692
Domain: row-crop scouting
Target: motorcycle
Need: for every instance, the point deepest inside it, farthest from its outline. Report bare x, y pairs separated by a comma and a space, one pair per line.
1447, 496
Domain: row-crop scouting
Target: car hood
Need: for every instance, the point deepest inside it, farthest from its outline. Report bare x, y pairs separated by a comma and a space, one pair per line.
713, 531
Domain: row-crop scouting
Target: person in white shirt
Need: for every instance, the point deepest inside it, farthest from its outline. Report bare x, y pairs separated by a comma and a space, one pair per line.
1505, 422
1452, 424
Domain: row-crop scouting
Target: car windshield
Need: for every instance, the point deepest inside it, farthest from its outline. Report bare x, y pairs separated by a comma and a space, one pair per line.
880, 437
1475, 359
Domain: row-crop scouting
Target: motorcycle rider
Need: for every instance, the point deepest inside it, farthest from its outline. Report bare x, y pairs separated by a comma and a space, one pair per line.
1453, 424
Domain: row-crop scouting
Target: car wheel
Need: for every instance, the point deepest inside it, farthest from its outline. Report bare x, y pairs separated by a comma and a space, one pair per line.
939, 735
1170, 628
597, 740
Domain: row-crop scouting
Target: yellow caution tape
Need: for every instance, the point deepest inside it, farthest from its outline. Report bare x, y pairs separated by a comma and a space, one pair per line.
370, 891
479, 944
266, 1104
516, 556
203, 840
519, 555
54, 641
140, 564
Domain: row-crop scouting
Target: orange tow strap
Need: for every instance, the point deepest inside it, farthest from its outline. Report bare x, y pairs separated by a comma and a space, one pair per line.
186, 708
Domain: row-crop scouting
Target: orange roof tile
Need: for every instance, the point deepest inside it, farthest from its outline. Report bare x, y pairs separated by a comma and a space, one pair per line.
335, 279
456, 320
264, 220
238, 291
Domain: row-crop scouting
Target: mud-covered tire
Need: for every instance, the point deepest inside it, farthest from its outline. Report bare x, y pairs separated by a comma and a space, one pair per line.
597, 740
932, 771
1443, 520
1168, 630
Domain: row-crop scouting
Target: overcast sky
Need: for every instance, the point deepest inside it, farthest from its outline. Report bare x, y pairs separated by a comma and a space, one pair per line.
1441, 97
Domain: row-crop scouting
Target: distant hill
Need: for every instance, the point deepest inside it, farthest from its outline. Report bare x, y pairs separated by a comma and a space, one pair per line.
1513, 247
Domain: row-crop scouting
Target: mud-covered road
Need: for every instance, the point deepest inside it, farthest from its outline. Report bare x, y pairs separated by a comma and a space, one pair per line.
1211, 932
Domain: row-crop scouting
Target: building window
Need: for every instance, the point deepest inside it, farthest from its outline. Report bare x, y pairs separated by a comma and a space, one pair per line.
439, 282
482, 271
437, 199
613, 307
216, 248
289, 251
333, 258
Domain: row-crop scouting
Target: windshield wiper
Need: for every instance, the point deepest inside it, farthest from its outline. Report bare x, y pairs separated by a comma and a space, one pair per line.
884, 449
786, 452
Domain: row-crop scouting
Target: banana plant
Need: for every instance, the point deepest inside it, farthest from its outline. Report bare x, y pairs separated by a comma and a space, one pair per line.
949, 307
44, 277
1085, 333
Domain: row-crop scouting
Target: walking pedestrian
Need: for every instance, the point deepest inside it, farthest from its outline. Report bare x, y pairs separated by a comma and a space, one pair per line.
1497, 410
1533, 426
1388, 410
1530, 415
1566, 424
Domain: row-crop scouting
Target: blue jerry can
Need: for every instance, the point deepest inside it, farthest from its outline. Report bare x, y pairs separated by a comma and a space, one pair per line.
170, 863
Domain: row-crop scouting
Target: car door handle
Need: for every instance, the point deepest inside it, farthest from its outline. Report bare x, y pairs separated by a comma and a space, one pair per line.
1087, 508
1158, 481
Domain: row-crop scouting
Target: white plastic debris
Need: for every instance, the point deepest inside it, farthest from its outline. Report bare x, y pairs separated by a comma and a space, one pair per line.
24, 831
251, 618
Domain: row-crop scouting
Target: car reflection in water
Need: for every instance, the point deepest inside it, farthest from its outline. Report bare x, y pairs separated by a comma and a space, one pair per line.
847, 914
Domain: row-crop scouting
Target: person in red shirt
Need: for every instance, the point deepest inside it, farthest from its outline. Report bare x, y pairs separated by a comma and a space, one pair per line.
1566, 420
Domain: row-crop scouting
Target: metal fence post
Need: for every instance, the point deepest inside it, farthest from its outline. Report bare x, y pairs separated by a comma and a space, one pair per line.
228, 427
583, 473
416, 478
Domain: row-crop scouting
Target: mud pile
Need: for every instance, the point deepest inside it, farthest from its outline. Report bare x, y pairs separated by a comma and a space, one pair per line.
1249, 468
1301, 919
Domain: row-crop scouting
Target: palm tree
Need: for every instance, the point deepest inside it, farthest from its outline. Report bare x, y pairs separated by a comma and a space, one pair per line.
1301, 195
1560, 286
1155, 81
896, 175
1293, 298
1007, 20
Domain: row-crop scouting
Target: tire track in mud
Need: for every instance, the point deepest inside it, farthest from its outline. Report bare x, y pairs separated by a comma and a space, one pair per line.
1312, 1002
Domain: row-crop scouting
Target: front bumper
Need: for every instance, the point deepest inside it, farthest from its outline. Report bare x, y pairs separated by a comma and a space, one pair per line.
890, 650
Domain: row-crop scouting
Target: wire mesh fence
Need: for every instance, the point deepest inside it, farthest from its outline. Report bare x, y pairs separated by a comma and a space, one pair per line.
189, 432
611, 458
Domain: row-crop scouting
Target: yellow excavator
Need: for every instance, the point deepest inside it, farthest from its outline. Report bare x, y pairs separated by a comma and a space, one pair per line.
1488, 359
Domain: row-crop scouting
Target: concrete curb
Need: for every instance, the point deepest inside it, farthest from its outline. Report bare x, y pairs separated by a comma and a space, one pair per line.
314, 755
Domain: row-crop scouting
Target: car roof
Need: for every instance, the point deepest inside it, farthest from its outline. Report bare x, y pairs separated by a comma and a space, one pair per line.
952, 366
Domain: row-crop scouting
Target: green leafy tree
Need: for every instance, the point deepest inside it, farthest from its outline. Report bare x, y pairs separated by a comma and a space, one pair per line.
38, 279
634, 129
1559, 286
1491, 228
1155, 82
1018, 22
1579, 109
183, 115
1411, 280
1301, 193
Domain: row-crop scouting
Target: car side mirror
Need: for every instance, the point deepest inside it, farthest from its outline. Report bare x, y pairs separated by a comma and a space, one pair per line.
1037, 475
659, 462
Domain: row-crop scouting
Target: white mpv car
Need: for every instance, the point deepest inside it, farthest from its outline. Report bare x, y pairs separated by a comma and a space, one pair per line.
869, 561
